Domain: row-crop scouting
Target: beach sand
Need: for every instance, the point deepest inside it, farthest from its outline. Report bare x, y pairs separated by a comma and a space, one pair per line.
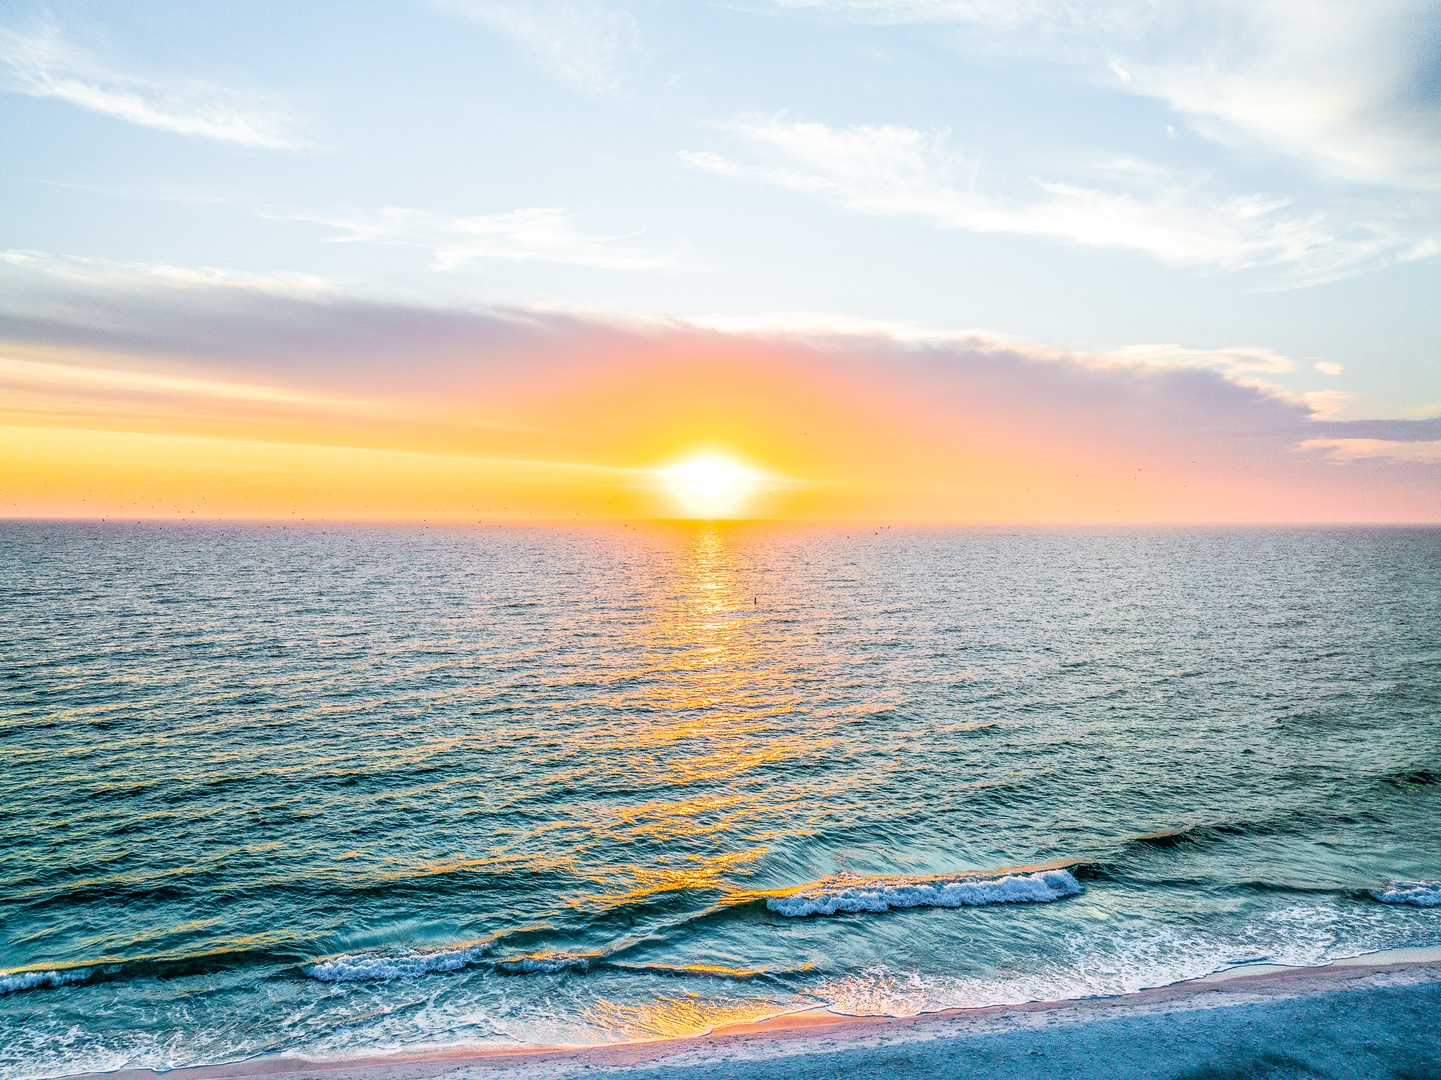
1372, 1016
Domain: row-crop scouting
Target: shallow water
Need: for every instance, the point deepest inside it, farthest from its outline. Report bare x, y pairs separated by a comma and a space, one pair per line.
340, 790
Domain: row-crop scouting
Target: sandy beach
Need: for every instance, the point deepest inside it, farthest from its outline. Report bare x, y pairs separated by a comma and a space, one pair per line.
1372, 1016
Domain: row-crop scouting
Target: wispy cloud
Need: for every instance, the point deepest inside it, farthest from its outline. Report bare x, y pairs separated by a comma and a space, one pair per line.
889, 170
1249, 366
1252, 366
1239, 360
46, 65
587, 43
1346, 87
984, 12
19, 369
107, 272
534, 234
1344, 450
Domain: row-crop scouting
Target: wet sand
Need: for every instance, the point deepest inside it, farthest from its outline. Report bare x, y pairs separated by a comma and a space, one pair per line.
1372, 1016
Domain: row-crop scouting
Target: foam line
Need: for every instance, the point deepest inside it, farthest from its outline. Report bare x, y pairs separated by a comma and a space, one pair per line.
1419, 893
847, 893
412, 964
357, 967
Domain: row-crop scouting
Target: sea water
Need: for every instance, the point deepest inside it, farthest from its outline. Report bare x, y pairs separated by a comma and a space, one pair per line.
331, 791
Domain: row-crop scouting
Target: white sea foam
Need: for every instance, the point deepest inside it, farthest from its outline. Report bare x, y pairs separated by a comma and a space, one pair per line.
1419, 893
1122, 957
377, 966
10, 981
850, 893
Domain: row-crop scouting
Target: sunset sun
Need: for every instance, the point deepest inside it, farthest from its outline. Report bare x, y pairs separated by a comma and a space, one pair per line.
710, 485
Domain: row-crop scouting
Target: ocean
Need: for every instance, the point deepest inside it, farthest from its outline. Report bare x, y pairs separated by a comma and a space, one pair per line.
344, 790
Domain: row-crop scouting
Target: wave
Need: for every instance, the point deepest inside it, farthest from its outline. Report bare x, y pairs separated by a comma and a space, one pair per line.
852, 893
11, 981
712, 971
381, 966
1412, 778
547, 963
126, 968
1419, 893
390, 964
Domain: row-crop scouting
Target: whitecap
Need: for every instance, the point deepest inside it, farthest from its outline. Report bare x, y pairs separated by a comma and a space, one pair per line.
850, 893
380, 966
10, 981
1419, 893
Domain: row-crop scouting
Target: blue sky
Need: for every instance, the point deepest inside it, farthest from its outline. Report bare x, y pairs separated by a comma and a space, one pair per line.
1254, 187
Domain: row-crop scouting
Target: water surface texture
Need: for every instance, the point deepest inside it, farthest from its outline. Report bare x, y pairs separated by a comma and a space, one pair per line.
331, 791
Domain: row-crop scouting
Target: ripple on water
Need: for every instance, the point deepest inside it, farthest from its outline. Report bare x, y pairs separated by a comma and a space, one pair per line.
327, 790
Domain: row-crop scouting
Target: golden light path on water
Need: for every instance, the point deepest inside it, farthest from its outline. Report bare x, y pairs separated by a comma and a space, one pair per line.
720, 697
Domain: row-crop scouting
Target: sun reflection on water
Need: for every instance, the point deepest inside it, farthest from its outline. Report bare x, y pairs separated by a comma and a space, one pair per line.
711, 707
680, 1015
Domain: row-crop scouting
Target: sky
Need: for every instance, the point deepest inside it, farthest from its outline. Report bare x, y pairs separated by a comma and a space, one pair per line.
953, 260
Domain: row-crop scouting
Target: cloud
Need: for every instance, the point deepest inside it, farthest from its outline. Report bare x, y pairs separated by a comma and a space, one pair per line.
88, 385
109, 295
279, 323
107, 272
587, 43
867, 419
981, 12
1348, 88
534, 234
1326, 404
33, 371
1347, 450
1328, 367
1239, 363
45, 65
1122, 203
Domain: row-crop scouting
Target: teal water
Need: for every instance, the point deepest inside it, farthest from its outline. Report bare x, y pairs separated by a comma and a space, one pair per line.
332, 791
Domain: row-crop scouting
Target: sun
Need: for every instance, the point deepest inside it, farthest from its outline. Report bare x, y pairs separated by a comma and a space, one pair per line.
710, 485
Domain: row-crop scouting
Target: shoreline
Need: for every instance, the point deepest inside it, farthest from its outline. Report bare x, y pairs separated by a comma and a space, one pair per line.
820, 1033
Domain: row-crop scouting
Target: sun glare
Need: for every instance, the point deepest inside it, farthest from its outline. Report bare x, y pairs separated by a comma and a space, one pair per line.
710, 485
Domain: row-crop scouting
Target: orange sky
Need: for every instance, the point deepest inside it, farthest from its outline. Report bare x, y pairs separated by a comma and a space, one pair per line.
841, 429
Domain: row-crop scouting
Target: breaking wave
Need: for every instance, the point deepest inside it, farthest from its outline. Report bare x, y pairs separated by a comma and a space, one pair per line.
11, 981
1419, 893
413, 964
852, 893
359, 967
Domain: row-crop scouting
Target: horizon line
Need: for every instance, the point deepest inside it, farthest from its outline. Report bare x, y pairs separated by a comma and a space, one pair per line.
996, 523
